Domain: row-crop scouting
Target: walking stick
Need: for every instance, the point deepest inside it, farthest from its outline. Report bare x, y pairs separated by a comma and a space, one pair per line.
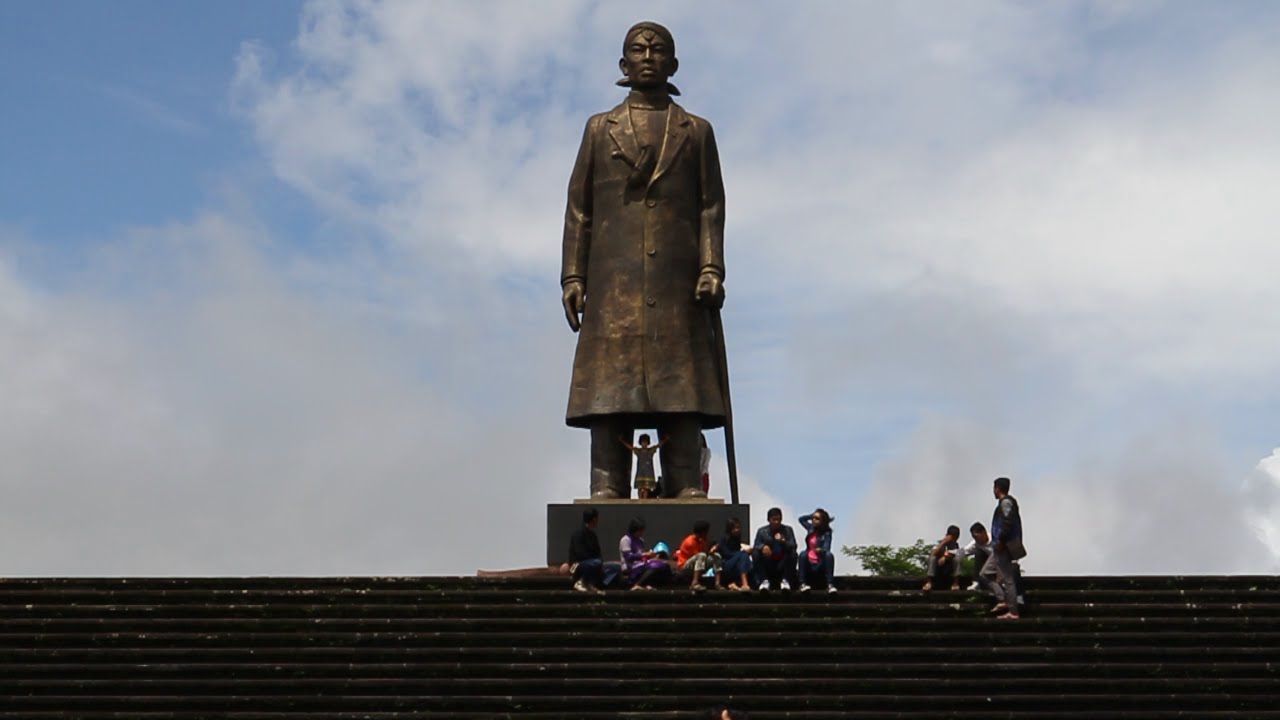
717, 326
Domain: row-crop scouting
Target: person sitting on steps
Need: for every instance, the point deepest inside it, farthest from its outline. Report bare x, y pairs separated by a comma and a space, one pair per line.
817, 557
646, 478
694, 557
944, 560
737, 561
774, 553
641, 566
586, 564
979, 548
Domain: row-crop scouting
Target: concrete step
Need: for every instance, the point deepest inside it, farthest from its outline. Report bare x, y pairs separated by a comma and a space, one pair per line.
713, 606
114, 669
942, 650
1108, 705
702, 714
462, 648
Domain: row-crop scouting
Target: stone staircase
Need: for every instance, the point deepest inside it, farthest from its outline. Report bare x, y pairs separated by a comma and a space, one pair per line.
320, 648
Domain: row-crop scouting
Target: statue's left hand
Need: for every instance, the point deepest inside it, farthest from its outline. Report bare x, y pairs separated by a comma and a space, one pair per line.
573, 299
710, 291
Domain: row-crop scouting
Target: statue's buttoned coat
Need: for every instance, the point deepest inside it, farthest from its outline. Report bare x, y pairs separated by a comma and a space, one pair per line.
645, 346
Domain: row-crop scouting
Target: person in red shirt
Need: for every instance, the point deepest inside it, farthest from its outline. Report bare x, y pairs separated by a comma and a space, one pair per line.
695, 557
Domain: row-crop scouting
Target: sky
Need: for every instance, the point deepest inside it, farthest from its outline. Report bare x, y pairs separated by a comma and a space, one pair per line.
279, 281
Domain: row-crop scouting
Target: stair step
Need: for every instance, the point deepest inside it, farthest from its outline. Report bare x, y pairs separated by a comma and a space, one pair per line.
596, 670
467, 648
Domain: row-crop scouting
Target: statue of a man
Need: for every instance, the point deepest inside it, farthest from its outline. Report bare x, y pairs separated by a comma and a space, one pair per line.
642, 271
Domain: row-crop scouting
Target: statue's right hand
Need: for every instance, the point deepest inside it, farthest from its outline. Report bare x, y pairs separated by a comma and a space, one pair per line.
574, 300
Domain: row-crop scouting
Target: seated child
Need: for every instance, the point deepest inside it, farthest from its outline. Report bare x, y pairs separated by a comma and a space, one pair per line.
695, 557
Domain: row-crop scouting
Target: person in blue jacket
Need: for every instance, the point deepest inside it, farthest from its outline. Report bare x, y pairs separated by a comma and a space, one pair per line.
1006, 546
816, 561
774, 553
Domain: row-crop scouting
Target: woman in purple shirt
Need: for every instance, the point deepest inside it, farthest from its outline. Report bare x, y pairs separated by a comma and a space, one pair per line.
641, 566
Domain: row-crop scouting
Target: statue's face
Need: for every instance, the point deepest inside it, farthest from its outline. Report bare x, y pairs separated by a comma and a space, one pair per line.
648, 60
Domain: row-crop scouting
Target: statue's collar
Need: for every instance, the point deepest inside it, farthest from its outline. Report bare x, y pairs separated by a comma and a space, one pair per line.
648, 101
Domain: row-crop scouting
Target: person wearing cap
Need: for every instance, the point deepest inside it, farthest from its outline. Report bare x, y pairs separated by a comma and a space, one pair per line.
944, 560
642, 267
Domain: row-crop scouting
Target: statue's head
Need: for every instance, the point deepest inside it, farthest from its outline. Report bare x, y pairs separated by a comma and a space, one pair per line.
648, 58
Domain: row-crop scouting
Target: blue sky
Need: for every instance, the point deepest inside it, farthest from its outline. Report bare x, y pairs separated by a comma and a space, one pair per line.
291, 269
117, 113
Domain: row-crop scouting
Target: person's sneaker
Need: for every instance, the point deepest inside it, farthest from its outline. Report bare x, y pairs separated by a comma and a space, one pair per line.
699, 589
831, 590
764, 586
786, 586
581, 587
597, 589
804, 587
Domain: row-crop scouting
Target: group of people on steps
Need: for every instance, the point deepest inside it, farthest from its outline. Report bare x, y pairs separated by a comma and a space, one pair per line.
995, 556
773, 560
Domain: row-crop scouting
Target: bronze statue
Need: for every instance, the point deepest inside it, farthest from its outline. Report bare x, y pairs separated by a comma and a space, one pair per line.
642, 274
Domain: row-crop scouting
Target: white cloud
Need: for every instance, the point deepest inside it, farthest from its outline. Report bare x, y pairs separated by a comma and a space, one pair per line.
219, 418
1262, 495
1157, 504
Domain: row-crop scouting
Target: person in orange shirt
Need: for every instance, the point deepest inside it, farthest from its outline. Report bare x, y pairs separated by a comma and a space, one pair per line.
695, 557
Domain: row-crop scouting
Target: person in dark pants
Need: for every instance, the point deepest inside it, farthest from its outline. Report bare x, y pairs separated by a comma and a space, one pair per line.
774, 553
944, 560
586, 563
979, 548
737, 562
816, 561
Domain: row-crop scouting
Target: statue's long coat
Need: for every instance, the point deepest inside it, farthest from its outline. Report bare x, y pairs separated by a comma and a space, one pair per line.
645, 346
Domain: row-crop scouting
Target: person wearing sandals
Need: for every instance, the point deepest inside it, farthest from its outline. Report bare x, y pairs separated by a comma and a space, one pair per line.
817, 559
694, 557
737, 560
640, 566
1006, 546
944, 560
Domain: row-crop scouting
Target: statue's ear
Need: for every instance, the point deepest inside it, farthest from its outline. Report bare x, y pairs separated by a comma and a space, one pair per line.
675, 65
622, 65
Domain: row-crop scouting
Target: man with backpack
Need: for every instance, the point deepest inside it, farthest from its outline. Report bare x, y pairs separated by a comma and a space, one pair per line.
1006, 547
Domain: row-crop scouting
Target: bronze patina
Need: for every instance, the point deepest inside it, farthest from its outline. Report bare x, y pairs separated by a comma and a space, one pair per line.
642, 273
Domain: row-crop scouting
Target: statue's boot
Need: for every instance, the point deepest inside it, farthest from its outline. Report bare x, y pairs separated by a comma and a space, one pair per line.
610, 460
681, 456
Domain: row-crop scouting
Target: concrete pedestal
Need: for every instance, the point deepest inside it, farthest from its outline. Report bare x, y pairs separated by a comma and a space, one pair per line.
667, 521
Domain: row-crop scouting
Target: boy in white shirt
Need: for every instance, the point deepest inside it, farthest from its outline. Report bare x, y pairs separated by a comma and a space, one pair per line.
980, 550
